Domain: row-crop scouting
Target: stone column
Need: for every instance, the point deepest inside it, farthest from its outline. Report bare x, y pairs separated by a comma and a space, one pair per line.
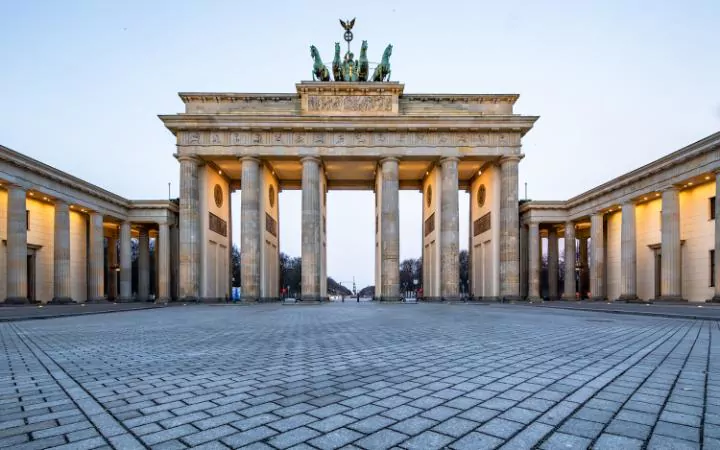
509, 229
597, 257
449, 230
250, 229
671, 280
569, 290
716, 297
17, 288
189, 229
311, 223
390, 230
96, 259
628, 255
125, 262
524, 261
143, 265
162, 249
62, 280
553, 263
112, 262
583, 254
534, 262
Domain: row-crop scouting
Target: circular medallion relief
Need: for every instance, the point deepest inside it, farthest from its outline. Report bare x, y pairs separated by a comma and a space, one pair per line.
218, 194
271, 196
481, 195
428, 195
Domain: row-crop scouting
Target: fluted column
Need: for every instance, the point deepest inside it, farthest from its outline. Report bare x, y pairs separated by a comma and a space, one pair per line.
125, 262
716, 297
96, 259
569, 290
143, 265
534, 262
16, 246
509, 229
62, 286
390, 230
597, 257
671, 281
189, 229
449, 230
250, 229
112, 258
628, 255
583, 255
553, 264
311, 223
163, 273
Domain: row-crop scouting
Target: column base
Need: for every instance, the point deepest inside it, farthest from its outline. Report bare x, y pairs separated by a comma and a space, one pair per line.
61, 301
189, 299
16, 301
534, 299
162, 301
388, 299
452, 298
572, 297
512, 299
597, 299
125, 300
313, 299
715, 299
670, 299
96, 300
630, 298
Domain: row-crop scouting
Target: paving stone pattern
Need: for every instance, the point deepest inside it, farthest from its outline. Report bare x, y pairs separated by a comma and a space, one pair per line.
360, 376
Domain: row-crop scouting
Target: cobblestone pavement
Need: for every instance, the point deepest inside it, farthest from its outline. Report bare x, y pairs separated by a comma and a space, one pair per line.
360, 376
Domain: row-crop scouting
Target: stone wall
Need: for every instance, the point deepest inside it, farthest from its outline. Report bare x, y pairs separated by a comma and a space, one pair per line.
698, 231
78, 255
485, 249
41, 234
3, 239
214, 265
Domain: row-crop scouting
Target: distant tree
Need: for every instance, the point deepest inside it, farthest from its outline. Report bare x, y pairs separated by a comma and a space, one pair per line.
407, 273
368, 291
464, 270
290, 272
335, 288
236, 280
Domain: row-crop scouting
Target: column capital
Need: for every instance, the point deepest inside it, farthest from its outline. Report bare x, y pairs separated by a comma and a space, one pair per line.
670, 187
190, 158
249, 158
510, 158
449, 159
314, 159
389, 159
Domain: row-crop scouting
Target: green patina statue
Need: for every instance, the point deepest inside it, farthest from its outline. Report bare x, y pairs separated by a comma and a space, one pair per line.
363, 65
383, 69
336, 66
320, 71
350, 69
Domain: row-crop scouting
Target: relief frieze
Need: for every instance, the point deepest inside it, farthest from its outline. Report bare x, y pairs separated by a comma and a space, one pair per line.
349, 103
350, 138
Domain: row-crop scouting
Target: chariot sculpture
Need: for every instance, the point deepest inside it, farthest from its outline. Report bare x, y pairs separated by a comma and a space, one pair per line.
348, 68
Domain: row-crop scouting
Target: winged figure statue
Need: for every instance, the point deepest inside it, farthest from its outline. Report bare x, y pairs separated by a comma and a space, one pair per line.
347, 24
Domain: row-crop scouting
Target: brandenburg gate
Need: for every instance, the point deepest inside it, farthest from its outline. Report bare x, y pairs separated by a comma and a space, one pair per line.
348, 135
358, 134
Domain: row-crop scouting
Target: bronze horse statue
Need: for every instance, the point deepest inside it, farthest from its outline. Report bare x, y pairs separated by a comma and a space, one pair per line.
336, 65
382, 71
363, 64
320, 71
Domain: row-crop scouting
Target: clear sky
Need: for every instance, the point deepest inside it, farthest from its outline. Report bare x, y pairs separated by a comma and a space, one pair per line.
617, 84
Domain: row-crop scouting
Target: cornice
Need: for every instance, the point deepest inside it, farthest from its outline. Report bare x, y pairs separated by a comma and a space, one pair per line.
463, 98
177, 122
32, 165
232, 97
675, 158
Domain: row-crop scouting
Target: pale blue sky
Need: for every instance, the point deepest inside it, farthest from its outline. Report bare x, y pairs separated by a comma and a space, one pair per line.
616, 83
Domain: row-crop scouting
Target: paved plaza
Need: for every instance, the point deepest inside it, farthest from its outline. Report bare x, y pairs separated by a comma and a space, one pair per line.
360, 376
